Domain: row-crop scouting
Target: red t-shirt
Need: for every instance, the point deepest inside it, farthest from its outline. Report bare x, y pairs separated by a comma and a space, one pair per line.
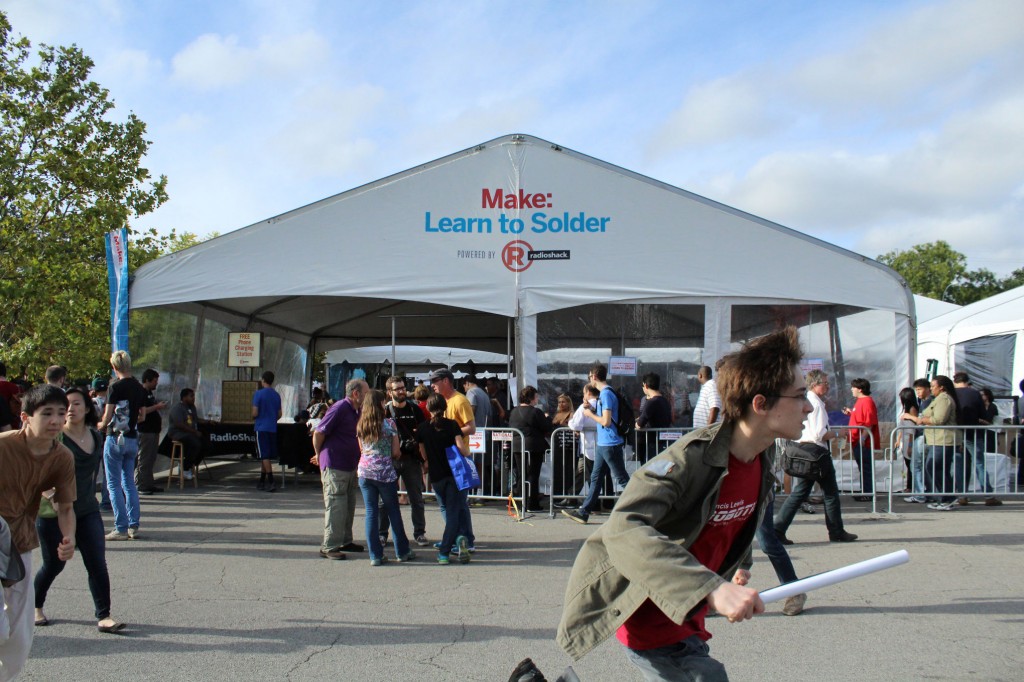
865, 413
648, 627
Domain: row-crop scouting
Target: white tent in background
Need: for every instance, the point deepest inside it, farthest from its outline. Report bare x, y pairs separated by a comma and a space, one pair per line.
928, 308
521, 243
984, 339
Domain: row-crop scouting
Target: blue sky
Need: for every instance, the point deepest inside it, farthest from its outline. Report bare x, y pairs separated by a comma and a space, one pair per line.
872, 125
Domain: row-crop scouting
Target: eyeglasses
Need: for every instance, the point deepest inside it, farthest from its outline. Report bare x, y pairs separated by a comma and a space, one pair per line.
802, 396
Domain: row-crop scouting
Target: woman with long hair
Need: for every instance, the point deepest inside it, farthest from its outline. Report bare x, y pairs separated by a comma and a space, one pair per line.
564, 446
378, 480
863, 442
944, 410
905, 440
564, 411
989, 418
435, 437
86, 444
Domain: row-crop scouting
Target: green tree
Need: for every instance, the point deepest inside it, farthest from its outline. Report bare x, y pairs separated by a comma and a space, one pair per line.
975, 285
69, 173
929, 269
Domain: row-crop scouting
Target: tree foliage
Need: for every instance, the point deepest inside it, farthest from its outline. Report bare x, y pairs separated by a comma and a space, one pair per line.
939, 271
69, 173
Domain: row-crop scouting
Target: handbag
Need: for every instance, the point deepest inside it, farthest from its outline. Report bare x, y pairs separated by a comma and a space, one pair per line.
463, 469
803, 460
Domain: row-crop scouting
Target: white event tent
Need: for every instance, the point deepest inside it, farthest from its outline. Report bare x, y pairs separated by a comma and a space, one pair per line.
520, 244
984, 339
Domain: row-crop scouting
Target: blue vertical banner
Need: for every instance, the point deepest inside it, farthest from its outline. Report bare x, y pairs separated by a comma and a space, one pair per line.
117, 277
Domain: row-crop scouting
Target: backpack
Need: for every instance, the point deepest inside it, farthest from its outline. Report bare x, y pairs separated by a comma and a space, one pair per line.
627, 418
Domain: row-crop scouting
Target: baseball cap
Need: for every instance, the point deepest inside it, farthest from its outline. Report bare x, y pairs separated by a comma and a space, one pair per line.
99, 384
443, 373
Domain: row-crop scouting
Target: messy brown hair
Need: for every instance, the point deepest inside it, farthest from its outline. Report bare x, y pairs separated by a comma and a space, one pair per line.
763, 366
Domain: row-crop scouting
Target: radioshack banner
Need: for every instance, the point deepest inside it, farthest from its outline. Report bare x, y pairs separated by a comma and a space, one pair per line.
117, 278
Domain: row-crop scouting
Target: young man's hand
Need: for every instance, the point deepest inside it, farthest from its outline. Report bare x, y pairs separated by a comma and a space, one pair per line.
736, 602
741, 577
66, 549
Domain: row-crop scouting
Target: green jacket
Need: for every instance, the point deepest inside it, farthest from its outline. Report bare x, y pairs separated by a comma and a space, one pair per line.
641, 552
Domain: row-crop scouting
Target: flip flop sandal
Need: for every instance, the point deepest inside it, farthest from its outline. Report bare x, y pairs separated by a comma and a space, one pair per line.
42, 622
112, 629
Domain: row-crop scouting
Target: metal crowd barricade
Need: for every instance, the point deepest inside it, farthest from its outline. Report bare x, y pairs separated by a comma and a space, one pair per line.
570, 469
501, 462
983, 461
848, 471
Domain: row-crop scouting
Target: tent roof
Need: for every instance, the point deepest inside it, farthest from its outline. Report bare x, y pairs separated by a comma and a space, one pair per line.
414, 355
928, 308
463, 228
999, 314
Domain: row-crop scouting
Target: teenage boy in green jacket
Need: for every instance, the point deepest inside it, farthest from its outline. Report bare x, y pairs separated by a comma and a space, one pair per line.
679, 540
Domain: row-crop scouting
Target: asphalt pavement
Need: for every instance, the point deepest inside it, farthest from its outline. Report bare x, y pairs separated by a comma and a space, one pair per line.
226, 583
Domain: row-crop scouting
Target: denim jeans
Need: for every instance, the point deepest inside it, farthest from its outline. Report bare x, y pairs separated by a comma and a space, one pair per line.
938, 470
339, 507
917, 465
973, 449
802, 490
124, 496
410, 470
773, 547
450, 497
687, 660
388, 492
90, 543
609, 456
865, 458
461, 507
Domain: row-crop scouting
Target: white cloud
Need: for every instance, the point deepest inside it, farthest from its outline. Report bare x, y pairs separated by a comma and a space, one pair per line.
325, 131
213, 61
912, 54
718, 111
128, 66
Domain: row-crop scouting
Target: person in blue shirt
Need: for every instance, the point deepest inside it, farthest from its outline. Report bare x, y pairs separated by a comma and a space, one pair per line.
609, 444
266, 410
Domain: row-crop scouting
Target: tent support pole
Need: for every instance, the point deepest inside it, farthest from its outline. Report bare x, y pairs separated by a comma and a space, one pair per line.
837, 349
193, 370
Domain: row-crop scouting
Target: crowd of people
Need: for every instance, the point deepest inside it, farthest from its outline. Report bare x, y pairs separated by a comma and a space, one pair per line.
62, 438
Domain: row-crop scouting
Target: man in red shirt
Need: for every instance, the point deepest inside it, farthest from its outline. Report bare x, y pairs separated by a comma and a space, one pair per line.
679, 540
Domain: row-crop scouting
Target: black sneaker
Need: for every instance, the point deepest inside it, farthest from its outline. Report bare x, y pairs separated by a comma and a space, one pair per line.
842, 536
782, 538
577, 515
526, 671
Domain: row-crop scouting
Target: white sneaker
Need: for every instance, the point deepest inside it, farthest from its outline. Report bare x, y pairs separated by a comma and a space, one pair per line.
188, 475
116, 535
794, 605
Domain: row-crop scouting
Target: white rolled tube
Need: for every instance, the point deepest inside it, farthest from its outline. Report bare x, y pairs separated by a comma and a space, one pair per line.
834, 576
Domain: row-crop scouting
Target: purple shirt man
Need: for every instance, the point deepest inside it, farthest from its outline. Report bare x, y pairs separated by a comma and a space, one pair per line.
340, 449
337, 454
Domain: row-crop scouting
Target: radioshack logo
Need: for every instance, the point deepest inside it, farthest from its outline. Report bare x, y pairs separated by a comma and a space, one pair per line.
232, 437
519, 255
